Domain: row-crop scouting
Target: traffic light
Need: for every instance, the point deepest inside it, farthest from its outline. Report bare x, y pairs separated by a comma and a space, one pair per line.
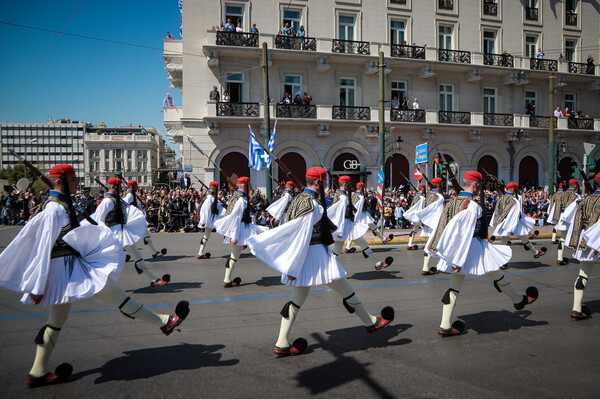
576, 173
442, 171
591, 165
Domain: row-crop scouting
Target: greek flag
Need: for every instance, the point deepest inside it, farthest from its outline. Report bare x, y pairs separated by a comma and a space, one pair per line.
271, 145
254, 152
179, 175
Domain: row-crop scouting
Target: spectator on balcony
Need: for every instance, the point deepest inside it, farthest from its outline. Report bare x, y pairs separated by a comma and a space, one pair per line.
590, 65
221, 27
298, 99
395, 103
416, 104
561, 57
404, 109
566, 113
170, 36
287, 31
540, 54
226, 97
287, 99
530, 108
306, 99
238, 28
214, 95
168, 101
301, 32
229, 26
558, 113
253, 29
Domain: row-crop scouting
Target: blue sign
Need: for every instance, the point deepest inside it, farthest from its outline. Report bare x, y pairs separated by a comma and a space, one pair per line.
380, 177
421, 153
188, 168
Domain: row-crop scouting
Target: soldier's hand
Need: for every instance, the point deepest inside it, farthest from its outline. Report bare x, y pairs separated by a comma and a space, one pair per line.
36, 299
291, 278
456, 268
597, 253
234, 242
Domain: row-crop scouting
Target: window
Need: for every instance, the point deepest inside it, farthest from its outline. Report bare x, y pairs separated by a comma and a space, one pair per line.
530, 98
235, 14
139, 165
399, 90
142, 153
397, 31
129, 154
106, 165
489, 101
293, 18
234, 83
145, 166
346, 27
146, 179
532, 3
293, 85
119, 165
570, 46
530, 45
570, 101
129, 165
446, 98
489, 42
106, 154
445, 37
118, 153
92, 166
347, 92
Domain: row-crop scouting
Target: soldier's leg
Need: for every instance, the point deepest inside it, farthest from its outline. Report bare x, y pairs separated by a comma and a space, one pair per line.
288, 315
148, 242
503, 285
413, 233
553, 236
351, 301
449, 299
376, 231
348, 245
140, 265
236, 250
337, 247
503, 240
561, 248
47, 338
204, 240
528, 245
585, 272
426, 269
368, 253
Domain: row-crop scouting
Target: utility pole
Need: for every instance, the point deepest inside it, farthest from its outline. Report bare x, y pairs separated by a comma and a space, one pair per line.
381, 124
267, 119
551, 136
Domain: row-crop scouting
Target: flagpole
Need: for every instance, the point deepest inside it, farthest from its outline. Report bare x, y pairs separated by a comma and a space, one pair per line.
267, 121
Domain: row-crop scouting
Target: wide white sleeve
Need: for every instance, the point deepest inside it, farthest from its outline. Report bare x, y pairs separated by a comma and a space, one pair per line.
592, 236
457, 237
105, 206
277, 208
205, 210
337, 213
566, 218
128, 198
411, 214
430, 215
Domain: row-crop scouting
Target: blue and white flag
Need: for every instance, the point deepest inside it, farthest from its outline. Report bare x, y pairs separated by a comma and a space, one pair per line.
179, 175
254, 152
271, 145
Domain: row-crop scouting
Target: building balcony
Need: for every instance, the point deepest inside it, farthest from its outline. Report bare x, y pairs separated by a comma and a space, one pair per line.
404, 51
350, 47
490, 8
295, 43
582, 68
172, 114
351, 113
531, 13
499, 60
296, 111
571, 19
410, 115
541, 64
238, 39
173, 58
541, 121
446, 4
454, 117
498, 119
580, 123
247, 110
458, 56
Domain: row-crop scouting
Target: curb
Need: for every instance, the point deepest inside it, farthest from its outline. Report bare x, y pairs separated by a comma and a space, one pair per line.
421, 240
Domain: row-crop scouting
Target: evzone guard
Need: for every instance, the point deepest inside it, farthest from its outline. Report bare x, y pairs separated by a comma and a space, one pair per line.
460, 241
568, 206
362, 216
209, 214
510, 220
132, 199
583, 237
236, 226
342, 214
128, 225
554, 210
299, 249
54, 262
415, 206
277, 209
428, 217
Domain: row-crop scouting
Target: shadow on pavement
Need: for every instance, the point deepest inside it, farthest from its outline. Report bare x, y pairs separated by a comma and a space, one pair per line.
384, 274
166, 258
534, 264
171, 287
148, 363
498, 321
269, 281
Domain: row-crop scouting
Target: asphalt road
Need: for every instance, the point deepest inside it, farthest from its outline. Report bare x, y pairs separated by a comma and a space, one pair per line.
225, 347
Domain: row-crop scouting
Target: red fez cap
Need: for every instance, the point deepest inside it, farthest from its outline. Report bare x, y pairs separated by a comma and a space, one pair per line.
316, 173
574, 181
473, 175
562, 184
344, 179
422, 185
290, 183
243, 180
131, 182
114, 180
60, 170
437, 180
512, 185
597, 177
213, 184
360, 184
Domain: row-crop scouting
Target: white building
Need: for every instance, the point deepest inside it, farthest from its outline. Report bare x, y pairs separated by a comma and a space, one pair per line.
472, 97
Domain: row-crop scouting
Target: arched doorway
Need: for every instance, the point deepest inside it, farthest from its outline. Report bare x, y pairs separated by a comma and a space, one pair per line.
235, 164
296, 164
488, 164
528, 172
398, 164
565, 169
346, 164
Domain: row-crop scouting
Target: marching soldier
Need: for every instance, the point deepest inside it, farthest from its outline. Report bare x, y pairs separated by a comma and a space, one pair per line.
554, 210
209, 214
277, 209
568, 207
415, 206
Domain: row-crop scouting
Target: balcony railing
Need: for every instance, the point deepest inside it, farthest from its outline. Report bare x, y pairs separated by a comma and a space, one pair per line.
238, 109
543, 65
571, 19
296, 111
445, 4
350, 47
580, 123
240, 39
407, 115
580, 67
403, 2
462, 57
498, 119
531, 13
352, 113
296, 43
541, 121
404, 51
455, 118
490, 8
499, 60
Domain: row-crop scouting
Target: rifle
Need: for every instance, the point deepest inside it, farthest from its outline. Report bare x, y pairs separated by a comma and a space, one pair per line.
455, 185
483, 226
227, 176
246, 217
101, 184
426, 179
287, 172
588, 187
49, 183
325, 224
408, 180
208, 188
498, 183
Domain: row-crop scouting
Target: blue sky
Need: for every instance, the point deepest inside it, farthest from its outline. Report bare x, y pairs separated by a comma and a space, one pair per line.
83, 79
